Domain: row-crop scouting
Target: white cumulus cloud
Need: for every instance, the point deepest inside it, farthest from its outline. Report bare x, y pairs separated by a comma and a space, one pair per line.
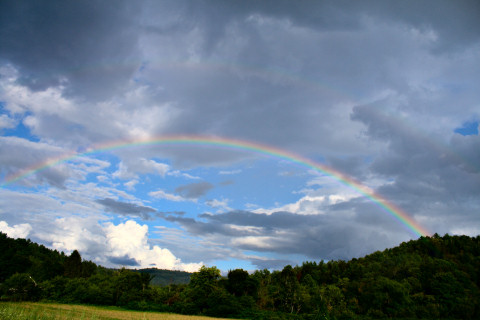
16, 231
130, 239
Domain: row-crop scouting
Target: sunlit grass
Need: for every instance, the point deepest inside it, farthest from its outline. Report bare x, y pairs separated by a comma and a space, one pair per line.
53, 311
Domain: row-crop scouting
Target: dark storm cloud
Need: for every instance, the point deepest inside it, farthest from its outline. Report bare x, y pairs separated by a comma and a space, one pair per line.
124, 261
93, 43
86, 36
194, 190
332, 67
126, 209
343, 15
89, 43
462, 17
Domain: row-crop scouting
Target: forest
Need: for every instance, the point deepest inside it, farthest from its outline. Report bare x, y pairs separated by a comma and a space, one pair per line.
428, 278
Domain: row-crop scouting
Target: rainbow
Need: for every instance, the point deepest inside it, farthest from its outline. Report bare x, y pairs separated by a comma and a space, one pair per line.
238, 145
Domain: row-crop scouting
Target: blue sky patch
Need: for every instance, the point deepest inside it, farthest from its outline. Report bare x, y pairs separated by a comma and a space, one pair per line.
468, 129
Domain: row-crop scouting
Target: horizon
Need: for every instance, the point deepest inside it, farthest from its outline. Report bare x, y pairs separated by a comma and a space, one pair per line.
224, 273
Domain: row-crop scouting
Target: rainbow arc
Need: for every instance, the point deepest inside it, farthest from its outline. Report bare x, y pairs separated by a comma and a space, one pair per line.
240, 145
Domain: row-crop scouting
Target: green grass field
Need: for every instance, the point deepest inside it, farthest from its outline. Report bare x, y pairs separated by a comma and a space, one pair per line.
54, 311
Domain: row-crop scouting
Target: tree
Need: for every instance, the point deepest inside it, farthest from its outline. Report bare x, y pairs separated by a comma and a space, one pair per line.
205, 278
333, 299
240, 283
73, 265
288, 294
129, 286
388, 296
263, 280
204, 293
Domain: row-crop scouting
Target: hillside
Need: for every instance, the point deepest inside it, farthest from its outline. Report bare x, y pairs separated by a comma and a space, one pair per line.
24, 256
428, 278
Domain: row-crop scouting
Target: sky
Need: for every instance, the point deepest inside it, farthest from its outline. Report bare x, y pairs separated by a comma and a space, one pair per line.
238, 134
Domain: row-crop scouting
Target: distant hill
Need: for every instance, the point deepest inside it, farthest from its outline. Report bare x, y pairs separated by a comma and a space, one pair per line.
162, 277
25, 256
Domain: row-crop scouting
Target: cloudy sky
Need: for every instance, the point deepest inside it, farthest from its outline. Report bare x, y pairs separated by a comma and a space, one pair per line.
386, 93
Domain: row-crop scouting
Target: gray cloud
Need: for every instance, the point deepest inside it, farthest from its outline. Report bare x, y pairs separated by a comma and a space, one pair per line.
331, 15
165, 213
452, 36
17, 154
126, 209
293, 90
88, 44
335, 236
430, 177
282, 220
354, 166
194, 190
335, 69
124, 261
201, 228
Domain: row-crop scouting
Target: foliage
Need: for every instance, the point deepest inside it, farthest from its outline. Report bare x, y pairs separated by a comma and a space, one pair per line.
429, 278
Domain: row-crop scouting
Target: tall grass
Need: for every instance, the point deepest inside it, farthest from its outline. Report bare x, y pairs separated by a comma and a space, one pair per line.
27, 311
53, 311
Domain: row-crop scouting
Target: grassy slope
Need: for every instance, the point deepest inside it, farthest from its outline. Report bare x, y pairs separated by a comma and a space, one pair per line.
51, 311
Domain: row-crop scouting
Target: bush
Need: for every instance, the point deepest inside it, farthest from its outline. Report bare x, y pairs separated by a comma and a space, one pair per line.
20, 287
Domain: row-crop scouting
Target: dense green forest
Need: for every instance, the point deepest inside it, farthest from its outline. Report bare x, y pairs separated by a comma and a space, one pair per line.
429, 278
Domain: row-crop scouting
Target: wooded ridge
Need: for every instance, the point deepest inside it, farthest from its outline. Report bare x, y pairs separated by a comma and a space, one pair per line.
428, 278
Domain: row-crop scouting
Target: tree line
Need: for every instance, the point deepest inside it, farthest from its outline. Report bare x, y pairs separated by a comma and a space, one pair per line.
428, 278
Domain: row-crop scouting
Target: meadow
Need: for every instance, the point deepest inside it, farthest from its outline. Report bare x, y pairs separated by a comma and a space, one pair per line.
55, 311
